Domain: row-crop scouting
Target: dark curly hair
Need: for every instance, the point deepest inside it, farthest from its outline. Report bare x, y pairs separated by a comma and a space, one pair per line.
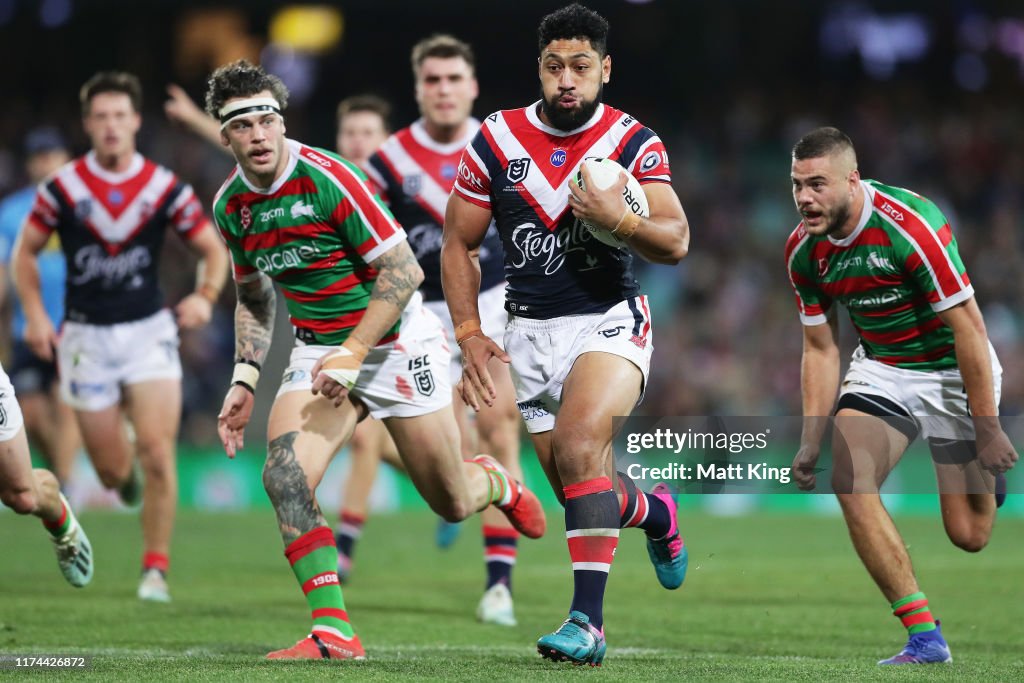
241, 79
574, 21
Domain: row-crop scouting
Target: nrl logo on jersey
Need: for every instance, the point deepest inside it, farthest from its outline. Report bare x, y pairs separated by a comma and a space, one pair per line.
518, 169
411, 184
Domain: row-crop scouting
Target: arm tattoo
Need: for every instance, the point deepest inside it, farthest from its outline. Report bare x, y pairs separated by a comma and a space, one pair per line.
398, 276
288, 489
254, 319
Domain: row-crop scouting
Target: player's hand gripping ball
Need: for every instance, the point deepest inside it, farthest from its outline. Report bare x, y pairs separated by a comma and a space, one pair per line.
605, 173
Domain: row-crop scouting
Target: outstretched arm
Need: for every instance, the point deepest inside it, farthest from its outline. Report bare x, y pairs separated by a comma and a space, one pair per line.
465, 225
995, 451
211, 272
254, 328
819, 383
181, 108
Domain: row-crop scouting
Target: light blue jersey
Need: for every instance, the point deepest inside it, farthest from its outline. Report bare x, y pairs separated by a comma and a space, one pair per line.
52, 269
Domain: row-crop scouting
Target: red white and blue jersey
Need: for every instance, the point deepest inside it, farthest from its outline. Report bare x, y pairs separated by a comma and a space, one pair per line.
414, 175
518, 168
111, 228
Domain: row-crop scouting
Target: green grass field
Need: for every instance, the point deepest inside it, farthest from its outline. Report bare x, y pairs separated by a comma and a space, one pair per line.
767, 597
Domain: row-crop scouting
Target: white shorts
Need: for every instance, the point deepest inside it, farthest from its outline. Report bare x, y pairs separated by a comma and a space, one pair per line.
11, 419
404, 378
493, 319
544, 351
935, 398
95, 361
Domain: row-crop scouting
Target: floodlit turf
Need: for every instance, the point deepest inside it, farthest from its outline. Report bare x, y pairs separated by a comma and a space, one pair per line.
767, 597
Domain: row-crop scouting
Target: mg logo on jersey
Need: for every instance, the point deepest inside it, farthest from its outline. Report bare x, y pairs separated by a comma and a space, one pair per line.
411, 184
891, 210
448, 171
517, 170
558, 158
300, 209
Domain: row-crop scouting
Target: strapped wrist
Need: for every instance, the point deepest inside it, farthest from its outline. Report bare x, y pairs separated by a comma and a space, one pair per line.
246, 374
627, 225
465, 330
356, 348
208, 292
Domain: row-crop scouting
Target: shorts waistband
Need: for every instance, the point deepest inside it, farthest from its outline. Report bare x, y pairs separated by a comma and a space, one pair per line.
565, 322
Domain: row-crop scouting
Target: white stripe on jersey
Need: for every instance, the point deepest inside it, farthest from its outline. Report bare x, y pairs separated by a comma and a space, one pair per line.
903, 206
430, 193
138, 211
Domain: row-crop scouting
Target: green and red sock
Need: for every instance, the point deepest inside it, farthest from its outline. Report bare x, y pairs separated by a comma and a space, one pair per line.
60, 526
913, 611
314, 559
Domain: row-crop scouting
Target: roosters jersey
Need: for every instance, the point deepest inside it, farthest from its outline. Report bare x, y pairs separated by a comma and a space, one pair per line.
415, 175
111, 228
518, 168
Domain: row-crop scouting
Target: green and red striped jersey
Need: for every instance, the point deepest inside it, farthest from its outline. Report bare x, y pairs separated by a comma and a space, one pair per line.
894, 273
314, 232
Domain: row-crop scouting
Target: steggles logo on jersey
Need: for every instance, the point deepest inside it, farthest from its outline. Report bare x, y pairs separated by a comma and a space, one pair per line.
550, 248
518, 169
425, 239
92, 263
558, 158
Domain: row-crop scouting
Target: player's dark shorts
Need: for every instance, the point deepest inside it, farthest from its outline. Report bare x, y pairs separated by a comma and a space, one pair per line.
29, 373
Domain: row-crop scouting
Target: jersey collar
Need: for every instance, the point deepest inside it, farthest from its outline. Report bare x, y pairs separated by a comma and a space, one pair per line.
865, 214
532, 117
420, 135
134, 166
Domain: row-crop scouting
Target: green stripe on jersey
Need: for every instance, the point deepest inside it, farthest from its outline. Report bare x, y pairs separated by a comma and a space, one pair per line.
310, 236
901, 263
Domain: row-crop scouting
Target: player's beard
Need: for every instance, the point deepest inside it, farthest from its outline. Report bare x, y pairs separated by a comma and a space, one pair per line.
569, 119
839, 217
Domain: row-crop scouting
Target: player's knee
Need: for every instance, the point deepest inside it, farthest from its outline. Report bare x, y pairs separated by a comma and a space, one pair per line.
452, 510
111, 477
576, 447
157, 464
22, 501
969, 538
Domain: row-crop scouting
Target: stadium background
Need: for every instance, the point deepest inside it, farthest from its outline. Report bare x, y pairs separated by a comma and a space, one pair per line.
929, 92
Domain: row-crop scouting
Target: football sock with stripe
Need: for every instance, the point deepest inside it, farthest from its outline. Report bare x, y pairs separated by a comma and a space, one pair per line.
58, 527
642, 510
314, 560
592, 532
500, 554
350, 528
913, 611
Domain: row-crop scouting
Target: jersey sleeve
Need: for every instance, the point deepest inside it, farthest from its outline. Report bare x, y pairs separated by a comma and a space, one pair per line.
644, 156
241, 269
813, 305
929, 253
185, 212
359, 216
377, 178
45, 212
473, 182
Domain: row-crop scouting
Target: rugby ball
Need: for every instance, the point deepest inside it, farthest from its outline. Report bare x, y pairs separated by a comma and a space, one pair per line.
605, 173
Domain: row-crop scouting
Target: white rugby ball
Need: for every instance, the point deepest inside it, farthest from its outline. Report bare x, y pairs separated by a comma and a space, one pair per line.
605, 173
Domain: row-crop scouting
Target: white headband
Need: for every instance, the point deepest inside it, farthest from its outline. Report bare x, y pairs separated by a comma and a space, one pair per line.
247, 106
